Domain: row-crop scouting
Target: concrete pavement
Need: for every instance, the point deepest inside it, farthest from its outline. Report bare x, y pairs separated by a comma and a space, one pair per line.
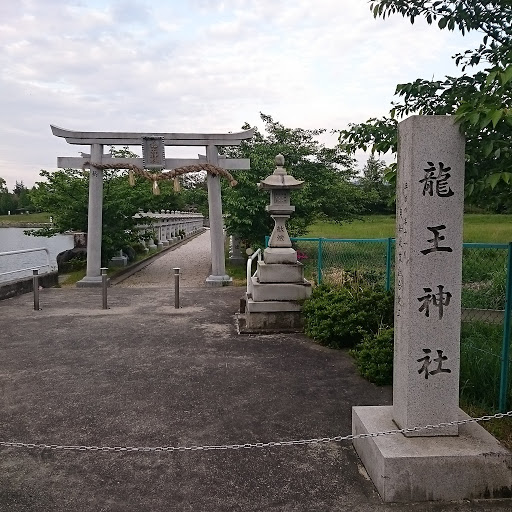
145, 374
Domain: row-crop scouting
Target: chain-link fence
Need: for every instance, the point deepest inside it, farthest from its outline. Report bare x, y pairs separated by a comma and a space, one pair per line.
486, 302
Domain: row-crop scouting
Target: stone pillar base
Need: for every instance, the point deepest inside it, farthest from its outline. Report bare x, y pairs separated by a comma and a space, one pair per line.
471, 465
218, 281
91, 282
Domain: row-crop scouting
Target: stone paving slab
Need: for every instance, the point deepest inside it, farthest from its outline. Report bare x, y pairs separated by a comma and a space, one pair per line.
145, 374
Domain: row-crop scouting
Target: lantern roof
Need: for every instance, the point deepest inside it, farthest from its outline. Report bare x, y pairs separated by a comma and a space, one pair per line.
280, 179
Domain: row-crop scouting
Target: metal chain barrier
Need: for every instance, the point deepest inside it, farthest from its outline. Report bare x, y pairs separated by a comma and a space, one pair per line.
272, 444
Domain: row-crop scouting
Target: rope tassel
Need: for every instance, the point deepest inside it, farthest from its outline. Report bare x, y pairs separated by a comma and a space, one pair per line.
131, 178
156, 188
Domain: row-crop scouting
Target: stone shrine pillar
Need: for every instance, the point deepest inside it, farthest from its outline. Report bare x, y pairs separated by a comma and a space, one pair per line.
430, 206
452, 462
94, 221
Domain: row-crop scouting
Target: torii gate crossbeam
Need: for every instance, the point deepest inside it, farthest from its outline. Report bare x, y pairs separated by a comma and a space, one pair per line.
97, 140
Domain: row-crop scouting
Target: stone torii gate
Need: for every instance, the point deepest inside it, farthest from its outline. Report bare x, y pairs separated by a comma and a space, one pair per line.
97, 140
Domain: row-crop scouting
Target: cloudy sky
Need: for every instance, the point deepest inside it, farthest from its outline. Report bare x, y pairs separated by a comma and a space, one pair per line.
197, 66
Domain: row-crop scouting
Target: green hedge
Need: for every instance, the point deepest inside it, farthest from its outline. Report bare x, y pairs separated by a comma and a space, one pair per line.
340, 317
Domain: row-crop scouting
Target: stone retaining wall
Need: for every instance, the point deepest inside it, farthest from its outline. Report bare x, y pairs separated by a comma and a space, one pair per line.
24, 285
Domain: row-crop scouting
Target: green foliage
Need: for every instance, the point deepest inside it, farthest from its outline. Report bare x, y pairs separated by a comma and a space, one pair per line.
480, 364
380, 192
64, 195
341, 316
486, 294
481, 102
374, 356
327, 173
17, 200
78, 263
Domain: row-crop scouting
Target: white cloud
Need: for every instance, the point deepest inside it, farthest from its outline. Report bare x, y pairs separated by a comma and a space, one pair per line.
197, 65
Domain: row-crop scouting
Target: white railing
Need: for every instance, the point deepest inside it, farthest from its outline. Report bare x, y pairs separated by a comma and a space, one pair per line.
251, 258
32, 267
167, 226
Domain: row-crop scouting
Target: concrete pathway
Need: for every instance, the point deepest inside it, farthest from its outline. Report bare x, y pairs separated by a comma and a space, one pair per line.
193, 258
145, 374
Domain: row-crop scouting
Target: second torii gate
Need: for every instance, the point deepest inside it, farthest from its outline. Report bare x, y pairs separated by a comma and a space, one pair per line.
97, 140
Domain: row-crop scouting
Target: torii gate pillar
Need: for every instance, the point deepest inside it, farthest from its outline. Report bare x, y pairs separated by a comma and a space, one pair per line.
94, 221
218, 277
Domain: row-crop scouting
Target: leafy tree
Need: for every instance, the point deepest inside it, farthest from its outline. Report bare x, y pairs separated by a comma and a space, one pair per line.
23, 198
64, 195
18, 199
379, 192
480, 101
327, 191
195, 192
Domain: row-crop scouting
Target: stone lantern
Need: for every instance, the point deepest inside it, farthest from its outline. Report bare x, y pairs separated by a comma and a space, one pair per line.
276, 291
280, 184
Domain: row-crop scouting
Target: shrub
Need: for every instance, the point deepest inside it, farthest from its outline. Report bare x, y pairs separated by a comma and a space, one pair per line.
374, 357
341, 316
139, 248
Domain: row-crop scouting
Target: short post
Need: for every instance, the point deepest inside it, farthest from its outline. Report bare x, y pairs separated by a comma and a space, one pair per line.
176, 288
35, 286
104, 286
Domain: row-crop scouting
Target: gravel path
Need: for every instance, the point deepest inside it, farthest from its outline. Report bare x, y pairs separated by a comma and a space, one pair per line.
193, 258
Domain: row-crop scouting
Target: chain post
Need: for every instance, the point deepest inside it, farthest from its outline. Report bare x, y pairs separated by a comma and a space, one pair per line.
505, 347
35, 287
176, 288
388, 263
104, 284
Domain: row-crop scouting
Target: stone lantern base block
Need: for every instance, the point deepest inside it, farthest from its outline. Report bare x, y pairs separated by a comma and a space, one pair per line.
280, 272
270, 317
279, 255
280, 291
471, 465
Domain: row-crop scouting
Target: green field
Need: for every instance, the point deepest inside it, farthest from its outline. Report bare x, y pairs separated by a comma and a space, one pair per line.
21, 219
477, 228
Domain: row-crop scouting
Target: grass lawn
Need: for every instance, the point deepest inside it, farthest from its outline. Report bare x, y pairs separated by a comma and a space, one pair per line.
29, 217
477, 228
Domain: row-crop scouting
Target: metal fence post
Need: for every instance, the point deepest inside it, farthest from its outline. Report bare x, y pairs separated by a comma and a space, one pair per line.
320, 260
35, 287
104, 283
388, 264
505, 347
176, 288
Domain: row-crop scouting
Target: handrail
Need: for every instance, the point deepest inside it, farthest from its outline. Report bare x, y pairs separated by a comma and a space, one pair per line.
249, 270
23, 251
